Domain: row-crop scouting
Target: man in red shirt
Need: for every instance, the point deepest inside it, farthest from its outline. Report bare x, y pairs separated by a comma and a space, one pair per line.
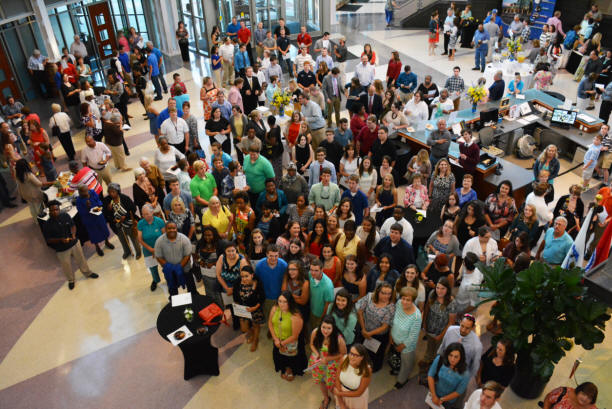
366, 137
177, 82
304, 39
84, 176
244, 37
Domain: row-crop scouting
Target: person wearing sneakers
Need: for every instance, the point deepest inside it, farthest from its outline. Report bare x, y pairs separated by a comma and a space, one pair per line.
60, 233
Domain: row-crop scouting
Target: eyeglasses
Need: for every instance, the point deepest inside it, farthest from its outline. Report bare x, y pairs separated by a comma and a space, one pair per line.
354, 355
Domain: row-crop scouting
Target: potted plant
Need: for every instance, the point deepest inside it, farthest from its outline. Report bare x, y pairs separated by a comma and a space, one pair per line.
545, 311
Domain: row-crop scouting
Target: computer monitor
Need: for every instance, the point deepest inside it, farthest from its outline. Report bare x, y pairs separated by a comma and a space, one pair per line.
563, 116
489, 115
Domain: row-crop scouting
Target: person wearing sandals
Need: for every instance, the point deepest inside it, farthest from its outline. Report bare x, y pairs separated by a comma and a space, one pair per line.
328, 347
249, 292
285, 325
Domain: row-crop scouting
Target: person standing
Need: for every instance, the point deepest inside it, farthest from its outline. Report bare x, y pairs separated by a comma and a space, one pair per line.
351, 389
62, 121
226, 51
173, 253
434, 32
36, 68
250, 90
321, 293
447, 27
365, 71
113, 137
333, 96
465, 335
606, 104
270, 272
282, 45
481, 42
314, 117
341, 52
493, 30
260, 36
455, 87
440, 141
154, 73
88, 204
244, 37
256, 169
150, 228
405, 332
389, 6
60, 234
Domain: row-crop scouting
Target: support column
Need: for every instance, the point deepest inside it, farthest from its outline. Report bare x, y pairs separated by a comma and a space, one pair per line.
328, 15
40, 12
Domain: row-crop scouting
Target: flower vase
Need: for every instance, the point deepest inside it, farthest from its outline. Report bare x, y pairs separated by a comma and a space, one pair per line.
281, 111
512, 57
474, 106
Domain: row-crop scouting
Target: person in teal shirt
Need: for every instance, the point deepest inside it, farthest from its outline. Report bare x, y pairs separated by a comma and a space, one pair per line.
516, 87
321, 292
556, 243
344, 315
256, 169
150, 228
448, 376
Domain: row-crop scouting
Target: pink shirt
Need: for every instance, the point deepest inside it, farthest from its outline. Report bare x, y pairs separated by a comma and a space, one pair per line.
554, 21
235, 98
125, 45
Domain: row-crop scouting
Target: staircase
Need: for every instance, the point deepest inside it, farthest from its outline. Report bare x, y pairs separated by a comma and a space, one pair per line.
417, 13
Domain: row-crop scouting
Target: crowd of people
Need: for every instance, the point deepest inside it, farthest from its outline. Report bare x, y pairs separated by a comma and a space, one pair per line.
302, 219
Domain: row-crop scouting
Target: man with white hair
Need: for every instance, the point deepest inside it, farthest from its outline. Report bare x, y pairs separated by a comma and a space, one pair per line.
78, 49
496, 90
516, 27
556, 243
95, 155
36, 68
113, 137
153, 173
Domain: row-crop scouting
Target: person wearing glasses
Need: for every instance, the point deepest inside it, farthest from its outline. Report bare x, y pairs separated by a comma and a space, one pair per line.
353, 379
464, 334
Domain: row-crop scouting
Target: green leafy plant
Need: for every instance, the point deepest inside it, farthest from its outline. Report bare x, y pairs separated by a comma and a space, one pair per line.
545, 311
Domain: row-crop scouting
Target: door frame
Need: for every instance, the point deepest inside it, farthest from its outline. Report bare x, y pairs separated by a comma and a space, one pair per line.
11, 78
95, 10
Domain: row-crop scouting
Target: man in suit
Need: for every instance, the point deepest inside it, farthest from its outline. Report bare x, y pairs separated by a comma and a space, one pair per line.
250, 91
372, 102
332, 89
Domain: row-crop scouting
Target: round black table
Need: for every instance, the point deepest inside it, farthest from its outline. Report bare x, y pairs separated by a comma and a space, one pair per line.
201, 358
422, 229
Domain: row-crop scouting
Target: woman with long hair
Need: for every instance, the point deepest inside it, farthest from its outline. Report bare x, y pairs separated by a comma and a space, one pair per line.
296, 282
386, 199
328, 347
367, 51
302, 153
419, 164
451, 208
448, 376
441, 185
547, 160
208, 249
343, 312
249, 292
368, 177
208, 95
349, 165
317, 238
182, 37
434, 33
344, 212
296, 252
332, 265
29, 187
381, 273
520, 244
497, 364
351, 389
500, 209
256, 249
393, 69
353, 278
526, 221
368, 234
572, 208
321, 73
411, 278
293, 231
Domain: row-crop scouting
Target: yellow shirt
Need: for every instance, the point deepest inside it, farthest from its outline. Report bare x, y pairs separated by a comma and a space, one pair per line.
343, 250
219, 222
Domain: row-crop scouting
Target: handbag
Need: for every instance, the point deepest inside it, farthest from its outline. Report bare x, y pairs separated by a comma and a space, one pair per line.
55, 130
210, 313
395, 361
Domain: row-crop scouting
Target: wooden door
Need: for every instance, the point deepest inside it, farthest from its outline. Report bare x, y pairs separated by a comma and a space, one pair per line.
8, 82
103, 29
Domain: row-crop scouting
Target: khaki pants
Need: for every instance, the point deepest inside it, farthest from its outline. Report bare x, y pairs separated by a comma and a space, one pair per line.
267, 307
317, 136
228, 73
104, 175
405, 96
217, 77
65, 259
259, 50
118, 156
335, 107
456, 103
342, 67
432, 348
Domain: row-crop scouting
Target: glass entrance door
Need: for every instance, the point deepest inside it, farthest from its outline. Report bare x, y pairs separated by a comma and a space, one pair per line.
268, 12
192, 14
303, 13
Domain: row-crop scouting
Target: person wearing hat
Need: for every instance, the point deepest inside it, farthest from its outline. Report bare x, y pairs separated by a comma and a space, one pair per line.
293, 184
36, 68
493, 16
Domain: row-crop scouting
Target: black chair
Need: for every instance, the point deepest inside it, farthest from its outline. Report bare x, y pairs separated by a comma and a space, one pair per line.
555, 95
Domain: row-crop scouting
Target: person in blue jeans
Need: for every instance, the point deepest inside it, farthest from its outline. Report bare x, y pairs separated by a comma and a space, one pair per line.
154, 72
481, 42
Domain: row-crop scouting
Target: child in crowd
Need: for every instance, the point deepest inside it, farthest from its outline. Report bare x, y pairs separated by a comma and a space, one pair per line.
590, 160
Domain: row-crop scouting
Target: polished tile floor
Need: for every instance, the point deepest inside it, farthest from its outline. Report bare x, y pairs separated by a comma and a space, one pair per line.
97, 346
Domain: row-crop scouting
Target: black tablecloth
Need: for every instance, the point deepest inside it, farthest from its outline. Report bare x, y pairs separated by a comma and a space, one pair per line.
573, 62
422, 229
201, 358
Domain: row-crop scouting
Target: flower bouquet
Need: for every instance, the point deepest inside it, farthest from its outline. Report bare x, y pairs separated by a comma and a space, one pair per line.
514, 46
476, 94
280, 100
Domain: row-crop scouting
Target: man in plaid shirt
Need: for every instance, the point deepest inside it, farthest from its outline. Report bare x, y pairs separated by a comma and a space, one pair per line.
455, 87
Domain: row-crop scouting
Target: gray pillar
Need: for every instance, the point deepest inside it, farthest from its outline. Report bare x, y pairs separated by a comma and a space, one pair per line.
166, 14
40, 12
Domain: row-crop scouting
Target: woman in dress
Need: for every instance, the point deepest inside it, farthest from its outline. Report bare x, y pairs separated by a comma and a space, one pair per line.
583, 396
367, 51
381, 273
328, 347
353, 92
208, 249
465, 193
348, 243
218, 127
89, 206
208, 95
300, 212
37, 135
150, 228
285, 325
434, 33
500, 209
216, 63
244, 220
351, 389
441, 185
353, 279
386, 199
410, 278
332, 265
228, 274
440, 313
343, 312
344, 212
405, 333
393, 69
29, 187
497, 364
419, 164
219, 217
368, 178
416, 194
321, 73
84, 71
152, 114
317, 238
302, 154
451, 208
395, 120
182, 37
468, 222
572, 208
145, 192
359, 118
385, 169
368, 234
70, 92
256, 250
250, 293
349, 165
120, 213
448, 376
375, 313
543, 78
92, 123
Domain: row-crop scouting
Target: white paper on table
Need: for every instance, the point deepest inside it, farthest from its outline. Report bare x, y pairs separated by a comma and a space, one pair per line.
371, 344
181, 299
51, 193
523, 121
600, 86
456, 128
220, 138
525, 109
585, 118
98, 213
227, 299
241, 311
429, 402
240, 182
531, 118
375, 209
175, 341
520, 96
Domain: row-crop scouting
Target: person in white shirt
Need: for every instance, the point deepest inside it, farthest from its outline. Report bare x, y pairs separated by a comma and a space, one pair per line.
416, 109
78, 49
485, 398
364, 71
536, 198
166, 158
398, 217
175, 130
259, 72
475, 245
324, 57
265, 63
442, 105
95, 155
301, 58
226, 51
63, 122
467, 297
322, 43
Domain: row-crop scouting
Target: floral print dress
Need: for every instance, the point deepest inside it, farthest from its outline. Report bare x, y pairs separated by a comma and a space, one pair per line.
324, 373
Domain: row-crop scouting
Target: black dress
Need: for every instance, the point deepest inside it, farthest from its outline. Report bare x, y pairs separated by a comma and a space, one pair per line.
301, 156
490, 372
218, 126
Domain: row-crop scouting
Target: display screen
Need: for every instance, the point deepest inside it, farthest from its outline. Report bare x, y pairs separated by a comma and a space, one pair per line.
563, 117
